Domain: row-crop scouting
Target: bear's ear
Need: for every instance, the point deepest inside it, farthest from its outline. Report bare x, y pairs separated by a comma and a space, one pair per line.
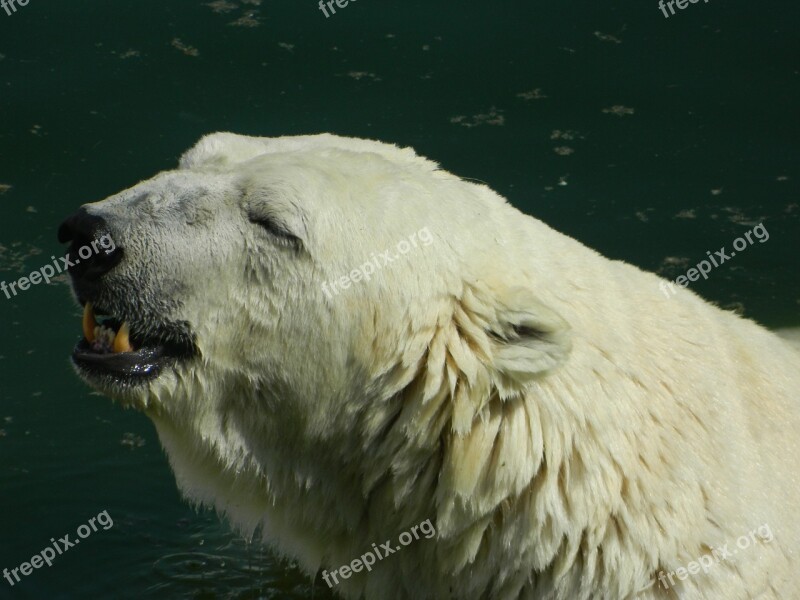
221, 150
527, 339
495, 345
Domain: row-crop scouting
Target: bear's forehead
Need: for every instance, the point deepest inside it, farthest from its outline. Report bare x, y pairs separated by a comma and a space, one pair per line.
178, 186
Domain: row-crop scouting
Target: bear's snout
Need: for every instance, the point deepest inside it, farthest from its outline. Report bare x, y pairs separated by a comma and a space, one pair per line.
92, 251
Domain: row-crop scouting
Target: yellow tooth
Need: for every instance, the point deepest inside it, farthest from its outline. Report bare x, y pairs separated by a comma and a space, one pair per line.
122, 342
89, 324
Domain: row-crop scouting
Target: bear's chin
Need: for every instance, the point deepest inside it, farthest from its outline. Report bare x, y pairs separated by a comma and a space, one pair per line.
153, 394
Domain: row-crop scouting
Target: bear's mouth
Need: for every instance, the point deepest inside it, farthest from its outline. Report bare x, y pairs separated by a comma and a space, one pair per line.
114, 350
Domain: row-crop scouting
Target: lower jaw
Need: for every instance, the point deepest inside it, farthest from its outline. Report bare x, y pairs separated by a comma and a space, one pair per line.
130, 369
130, 387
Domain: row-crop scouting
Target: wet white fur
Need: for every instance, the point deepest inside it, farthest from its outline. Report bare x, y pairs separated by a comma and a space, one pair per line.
569, 430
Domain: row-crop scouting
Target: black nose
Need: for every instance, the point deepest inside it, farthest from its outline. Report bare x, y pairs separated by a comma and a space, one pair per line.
93, 252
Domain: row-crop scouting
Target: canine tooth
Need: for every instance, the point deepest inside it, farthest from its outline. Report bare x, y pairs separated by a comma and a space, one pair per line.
89, 324
122, 342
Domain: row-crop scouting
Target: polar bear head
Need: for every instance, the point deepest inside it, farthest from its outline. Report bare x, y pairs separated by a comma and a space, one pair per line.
314, 324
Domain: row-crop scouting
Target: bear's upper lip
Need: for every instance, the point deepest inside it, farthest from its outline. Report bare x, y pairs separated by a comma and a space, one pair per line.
113, 349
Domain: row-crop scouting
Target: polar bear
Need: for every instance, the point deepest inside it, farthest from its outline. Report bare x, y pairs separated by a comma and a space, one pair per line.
554, 424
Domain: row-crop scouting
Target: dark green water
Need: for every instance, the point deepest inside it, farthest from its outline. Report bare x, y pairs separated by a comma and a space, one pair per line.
650, 139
